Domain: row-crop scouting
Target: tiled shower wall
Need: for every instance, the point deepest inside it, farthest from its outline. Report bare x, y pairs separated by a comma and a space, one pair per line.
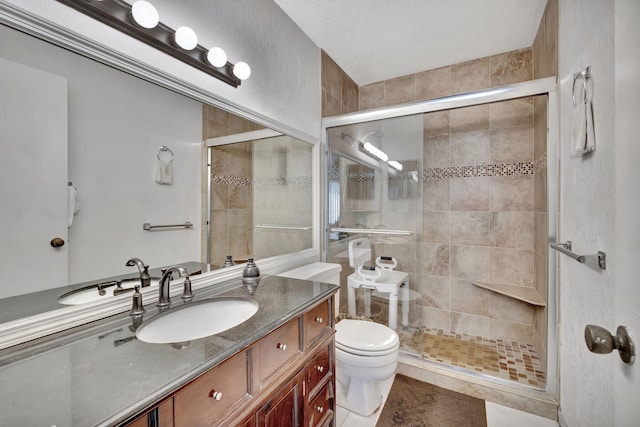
545, 64
231, 200
489, 228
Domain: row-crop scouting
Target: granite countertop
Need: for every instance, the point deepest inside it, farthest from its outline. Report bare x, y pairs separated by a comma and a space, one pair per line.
100, 376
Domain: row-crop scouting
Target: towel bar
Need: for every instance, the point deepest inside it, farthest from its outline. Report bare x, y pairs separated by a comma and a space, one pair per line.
147, 226
565, 248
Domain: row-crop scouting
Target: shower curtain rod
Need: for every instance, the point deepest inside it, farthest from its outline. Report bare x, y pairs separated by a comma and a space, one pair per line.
485, 96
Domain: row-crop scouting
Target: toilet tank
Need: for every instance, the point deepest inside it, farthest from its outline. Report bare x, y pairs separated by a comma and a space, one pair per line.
320, 272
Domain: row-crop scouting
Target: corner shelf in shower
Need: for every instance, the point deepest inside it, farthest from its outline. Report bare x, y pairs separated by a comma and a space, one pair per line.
522, 293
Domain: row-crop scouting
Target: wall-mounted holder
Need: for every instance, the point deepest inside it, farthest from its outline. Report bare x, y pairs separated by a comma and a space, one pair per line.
582, 76
565, 248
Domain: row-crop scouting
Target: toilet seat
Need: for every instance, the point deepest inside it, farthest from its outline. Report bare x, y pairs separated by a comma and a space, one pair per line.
365, 338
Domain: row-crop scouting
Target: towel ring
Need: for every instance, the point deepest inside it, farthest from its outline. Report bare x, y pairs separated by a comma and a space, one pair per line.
165, 148
583, 75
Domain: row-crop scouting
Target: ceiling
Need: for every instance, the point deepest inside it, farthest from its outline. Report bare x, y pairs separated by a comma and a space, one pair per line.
374, 40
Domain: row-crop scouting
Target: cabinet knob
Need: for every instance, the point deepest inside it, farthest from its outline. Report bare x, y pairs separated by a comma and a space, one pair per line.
217, 395
320, 409
319, 320
281, 346
320, 368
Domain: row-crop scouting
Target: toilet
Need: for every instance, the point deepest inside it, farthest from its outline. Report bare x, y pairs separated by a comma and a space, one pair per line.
366, 352
366, 355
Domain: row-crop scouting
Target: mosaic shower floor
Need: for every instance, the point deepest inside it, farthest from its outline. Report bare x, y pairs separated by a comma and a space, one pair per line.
499, 358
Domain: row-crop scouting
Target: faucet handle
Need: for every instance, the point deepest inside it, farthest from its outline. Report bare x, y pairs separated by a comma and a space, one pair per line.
187, 294
137, 308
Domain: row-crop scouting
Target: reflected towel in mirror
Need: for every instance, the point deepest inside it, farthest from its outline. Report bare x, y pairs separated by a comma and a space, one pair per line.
164, 171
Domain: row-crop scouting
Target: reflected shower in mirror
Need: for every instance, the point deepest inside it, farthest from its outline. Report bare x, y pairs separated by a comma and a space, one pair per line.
261, 194
375, 180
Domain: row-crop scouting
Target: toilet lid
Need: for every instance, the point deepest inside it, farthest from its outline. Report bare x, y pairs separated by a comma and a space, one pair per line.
365, 338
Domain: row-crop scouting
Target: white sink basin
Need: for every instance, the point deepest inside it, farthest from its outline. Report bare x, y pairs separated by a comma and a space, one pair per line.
196, 320
91, 293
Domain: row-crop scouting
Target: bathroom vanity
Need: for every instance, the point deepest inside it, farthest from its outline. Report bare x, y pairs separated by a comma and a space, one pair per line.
275, 369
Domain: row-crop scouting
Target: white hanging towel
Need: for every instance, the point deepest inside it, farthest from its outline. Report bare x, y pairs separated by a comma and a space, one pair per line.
72, 208
164, 169
583, 133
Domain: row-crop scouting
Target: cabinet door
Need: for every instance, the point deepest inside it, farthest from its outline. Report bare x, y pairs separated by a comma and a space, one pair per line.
319, 368
316, 321
211, 396
277, 348
161, 416
286, 407
321, 408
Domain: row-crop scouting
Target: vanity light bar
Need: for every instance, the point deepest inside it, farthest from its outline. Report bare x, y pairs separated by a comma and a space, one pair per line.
118, 14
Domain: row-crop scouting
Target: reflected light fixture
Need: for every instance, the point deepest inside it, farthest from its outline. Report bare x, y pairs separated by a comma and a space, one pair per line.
395, 164
373, 151
142, 22
145, 14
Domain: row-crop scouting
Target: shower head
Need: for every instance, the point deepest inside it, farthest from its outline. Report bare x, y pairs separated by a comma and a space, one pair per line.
346, 135
376, 133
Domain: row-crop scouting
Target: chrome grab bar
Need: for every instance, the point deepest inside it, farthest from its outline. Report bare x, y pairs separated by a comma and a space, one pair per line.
147, 226
565, 248
284, 226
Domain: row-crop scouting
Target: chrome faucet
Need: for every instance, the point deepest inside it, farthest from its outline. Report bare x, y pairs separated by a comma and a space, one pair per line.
164, 301
145, 278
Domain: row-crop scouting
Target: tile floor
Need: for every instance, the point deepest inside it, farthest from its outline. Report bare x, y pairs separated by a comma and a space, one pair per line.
499, 358
497, 415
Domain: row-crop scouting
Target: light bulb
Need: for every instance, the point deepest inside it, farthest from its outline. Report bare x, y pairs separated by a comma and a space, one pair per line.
217, 57
186, 38
242, 70
144, 14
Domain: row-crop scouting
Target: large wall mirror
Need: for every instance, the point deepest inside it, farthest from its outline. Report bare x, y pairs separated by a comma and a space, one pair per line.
84, 161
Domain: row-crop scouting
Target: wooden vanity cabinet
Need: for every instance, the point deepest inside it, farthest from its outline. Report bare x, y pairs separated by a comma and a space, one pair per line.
284, 379
285, 408
160, 416
214, 394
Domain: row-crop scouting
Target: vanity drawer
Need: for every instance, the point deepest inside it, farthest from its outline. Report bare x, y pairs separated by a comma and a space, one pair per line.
316, 321
319, 368
320, 410
214, 393
277, 347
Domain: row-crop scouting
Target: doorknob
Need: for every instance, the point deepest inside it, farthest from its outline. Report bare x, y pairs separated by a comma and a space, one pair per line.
600, 341
56, 242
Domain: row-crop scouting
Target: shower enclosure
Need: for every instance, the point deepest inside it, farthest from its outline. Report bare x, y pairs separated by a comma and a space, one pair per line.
461, 192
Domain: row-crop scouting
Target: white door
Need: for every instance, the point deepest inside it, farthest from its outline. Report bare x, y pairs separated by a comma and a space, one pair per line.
33, 173
627, 225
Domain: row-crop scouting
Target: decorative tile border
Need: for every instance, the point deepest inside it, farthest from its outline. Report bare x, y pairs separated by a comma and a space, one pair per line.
502, 169
240, 181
